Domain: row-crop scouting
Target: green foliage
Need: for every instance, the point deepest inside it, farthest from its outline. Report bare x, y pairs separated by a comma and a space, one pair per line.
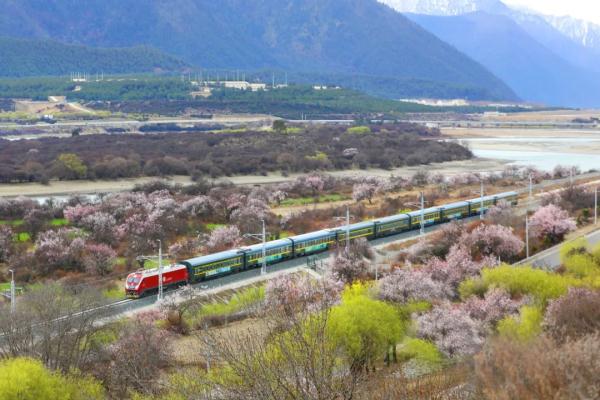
70, 166
279, 126
59, 222
521, 281
23, 237
27, 379
236, 303
579, 261
363, 326
525, 327
114, 293
407, 310
33, 57
472, 287
422, 351
302, 201
359, 130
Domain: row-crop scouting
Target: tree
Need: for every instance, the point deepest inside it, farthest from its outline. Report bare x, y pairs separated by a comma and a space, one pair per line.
551, 223
223, 238
542, 369
408, 285
6, 243
27, 379
365, 327
99, 259
494, 241
279, 126
102, 227
49, 325
136, 358
364, 191
573, 315
292, 293
452, 330
69, 166
62, 248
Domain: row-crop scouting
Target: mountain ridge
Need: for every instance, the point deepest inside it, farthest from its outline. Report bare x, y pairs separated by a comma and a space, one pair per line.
323, 36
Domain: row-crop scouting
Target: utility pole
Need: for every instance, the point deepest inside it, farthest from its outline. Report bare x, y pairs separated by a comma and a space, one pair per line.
263, 270
160, 272
422, 232
530, 187
596, 206
263, 238
526, 236
13, 300
481, 192
347, 221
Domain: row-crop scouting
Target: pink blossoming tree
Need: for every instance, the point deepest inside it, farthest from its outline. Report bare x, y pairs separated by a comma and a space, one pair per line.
551, 223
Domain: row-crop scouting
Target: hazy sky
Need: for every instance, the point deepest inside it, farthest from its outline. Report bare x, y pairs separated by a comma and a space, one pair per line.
584, 9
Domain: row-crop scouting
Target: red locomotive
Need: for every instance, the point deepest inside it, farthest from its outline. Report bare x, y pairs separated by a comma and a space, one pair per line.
141, 283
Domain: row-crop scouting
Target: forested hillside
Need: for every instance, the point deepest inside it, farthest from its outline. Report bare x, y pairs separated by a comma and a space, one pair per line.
25, 57
317, 36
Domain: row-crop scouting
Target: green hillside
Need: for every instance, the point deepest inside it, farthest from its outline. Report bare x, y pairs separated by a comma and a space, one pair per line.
30, 57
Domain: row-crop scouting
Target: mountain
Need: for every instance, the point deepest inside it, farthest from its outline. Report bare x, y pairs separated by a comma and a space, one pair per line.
583, 32
535, 72
540, 62
446, 7
351, 37
35, 57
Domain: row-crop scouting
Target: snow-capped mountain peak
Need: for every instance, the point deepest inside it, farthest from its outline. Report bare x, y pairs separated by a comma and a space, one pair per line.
583, 32
445, 7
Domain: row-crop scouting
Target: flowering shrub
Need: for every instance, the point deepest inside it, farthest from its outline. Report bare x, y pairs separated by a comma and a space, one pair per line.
493, 241
6, 243
63, 248
301, 292
496, 305
223, 238
99, 258
452, 330
551, 223
406, 285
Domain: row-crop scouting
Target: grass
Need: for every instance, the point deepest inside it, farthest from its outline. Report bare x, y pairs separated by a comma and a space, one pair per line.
303, 201
116, 292
236, 303
59, 222
212, 227
23, 237
4, 286
15, 222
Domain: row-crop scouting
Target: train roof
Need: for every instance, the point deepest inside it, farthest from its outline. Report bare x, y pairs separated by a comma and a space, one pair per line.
393, 218
223, 255
269, 245
507, 194
426, 211
454, 205
312, 235
485, 198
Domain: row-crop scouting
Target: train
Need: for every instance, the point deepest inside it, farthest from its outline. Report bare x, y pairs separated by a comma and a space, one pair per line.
210, 266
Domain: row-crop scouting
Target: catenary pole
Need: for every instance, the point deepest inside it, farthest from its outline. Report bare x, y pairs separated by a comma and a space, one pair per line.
263, 270
13, 300
422, 214
481, 193
527, 236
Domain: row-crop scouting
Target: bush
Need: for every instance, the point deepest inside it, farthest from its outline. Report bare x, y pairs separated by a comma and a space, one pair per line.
27, 379
522, 281
573, 315
422, 351
541, 369
359, 130
524, 327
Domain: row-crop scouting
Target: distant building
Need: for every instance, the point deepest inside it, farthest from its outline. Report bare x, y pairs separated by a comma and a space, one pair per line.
438, 102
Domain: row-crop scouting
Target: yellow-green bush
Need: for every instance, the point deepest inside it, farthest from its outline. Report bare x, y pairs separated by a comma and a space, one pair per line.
521, 281
359, 130
421, 351
524, 327
28, 379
